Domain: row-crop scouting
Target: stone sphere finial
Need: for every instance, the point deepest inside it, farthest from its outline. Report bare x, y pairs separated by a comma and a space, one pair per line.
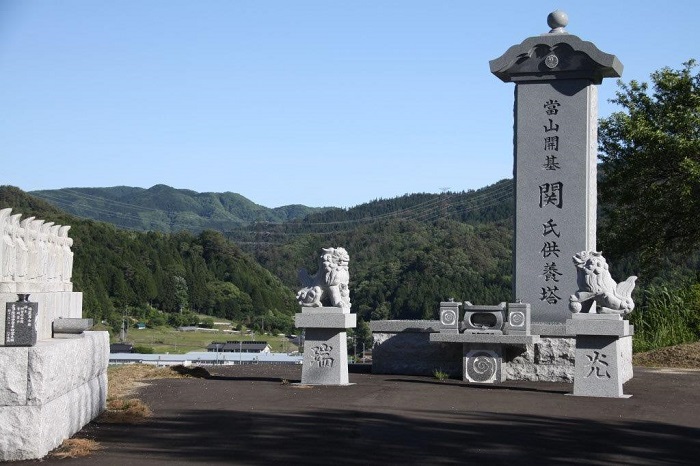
557, 20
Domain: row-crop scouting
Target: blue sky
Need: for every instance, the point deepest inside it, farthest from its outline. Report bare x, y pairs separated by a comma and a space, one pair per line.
288, 101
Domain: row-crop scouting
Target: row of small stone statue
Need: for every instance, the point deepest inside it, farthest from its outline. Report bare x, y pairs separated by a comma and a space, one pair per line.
33, 250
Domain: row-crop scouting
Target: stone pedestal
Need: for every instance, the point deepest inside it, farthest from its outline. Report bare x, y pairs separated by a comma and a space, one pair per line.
601, 367
50, 391
325, 345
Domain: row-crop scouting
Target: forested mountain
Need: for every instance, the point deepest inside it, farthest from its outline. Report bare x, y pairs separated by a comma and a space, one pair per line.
407, 254
205, 273
165, 209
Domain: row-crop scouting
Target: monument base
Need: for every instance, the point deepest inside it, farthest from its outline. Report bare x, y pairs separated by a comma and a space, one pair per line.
50, 391
325, 345
404, 347
601, 368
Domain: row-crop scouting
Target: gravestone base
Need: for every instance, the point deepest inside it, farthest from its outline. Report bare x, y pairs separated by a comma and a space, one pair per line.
325, 345
600, 363
50, 391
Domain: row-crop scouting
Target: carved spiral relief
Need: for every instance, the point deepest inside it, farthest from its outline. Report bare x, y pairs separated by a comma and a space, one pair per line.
448, 317
517, 319
482, 368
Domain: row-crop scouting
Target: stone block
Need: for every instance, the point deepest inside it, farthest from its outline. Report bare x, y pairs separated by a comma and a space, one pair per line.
59, 366
483, 364
13, 375
325, 320
484, 337
32, 431
449, 317
518, 320
325, 357
398, 326
598, 370
71, 325
619, 328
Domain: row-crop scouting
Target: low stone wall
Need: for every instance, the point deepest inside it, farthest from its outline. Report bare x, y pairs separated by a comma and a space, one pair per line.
50, 391
403, 347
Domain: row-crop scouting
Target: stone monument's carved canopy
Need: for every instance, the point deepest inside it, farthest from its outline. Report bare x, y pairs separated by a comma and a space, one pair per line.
555, 55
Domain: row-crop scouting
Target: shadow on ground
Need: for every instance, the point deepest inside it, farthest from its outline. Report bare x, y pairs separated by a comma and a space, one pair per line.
356, 437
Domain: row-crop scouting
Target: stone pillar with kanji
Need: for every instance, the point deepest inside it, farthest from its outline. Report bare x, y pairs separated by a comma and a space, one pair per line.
555, 148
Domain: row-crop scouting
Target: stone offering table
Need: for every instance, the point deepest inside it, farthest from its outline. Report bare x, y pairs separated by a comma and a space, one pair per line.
325, 344
602, 362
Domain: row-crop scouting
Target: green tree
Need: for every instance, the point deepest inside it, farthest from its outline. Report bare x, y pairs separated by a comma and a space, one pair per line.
650, 183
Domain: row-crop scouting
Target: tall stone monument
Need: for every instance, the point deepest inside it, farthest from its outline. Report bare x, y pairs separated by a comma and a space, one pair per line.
556, 103
325, 316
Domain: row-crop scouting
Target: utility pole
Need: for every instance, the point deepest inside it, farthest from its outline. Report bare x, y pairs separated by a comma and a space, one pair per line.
123, 331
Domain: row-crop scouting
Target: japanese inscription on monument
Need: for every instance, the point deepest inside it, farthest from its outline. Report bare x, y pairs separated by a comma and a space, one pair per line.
555, 160
20, 322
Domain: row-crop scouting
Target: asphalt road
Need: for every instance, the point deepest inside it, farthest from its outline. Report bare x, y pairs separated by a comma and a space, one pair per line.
248, 415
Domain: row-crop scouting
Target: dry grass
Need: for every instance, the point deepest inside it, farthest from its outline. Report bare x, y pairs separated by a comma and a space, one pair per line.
686, 356
125, 411
124, 380
75, 448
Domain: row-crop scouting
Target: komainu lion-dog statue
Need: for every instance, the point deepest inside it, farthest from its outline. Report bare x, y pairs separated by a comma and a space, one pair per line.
330, 285
596, 285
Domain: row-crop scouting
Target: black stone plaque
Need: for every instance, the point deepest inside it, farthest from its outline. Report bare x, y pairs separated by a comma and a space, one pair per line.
20, 322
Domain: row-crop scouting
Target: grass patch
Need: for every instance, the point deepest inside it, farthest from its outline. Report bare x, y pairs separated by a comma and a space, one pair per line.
666, 317
75, 448
440, 375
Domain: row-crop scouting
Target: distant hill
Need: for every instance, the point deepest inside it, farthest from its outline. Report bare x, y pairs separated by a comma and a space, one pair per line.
489, 204
166, 209
406, 254
205, 273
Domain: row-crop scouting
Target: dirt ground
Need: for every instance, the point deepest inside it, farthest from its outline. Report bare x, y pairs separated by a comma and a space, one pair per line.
682, 356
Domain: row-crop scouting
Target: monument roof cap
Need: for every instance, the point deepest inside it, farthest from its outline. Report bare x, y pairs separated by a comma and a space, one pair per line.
555, 55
